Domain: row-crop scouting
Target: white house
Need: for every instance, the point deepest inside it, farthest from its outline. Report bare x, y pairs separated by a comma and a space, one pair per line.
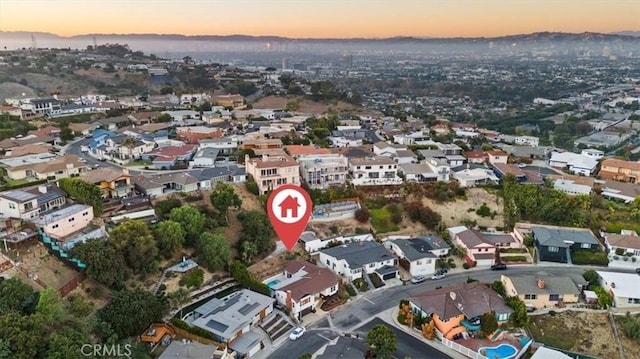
205, 157
387, 149
320, 171
576, 163
313, 243
571, 187
592, 153
440, 167
378, 170
473, 177
527, 141
417, 172
351, 260
623, 287
627, 241
28, 203
226, 145
419, 255
304, 286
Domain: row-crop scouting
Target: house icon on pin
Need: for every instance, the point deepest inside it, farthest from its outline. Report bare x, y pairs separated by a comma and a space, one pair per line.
289, 203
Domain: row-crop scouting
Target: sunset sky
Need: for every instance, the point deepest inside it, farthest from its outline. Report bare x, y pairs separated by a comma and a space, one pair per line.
319, 18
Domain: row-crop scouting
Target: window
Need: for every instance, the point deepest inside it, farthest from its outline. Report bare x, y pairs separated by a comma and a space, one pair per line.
553, 249
371, 265
554, 297
633, 300
72, 219
306, 300
531, 296
585, 245
12, 205
55, 226
419, 262
85, 213
328, 263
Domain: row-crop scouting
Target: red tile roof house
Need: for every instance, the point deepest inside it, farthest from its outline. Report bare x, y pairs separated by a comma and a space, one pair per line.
167, 157
480, 247
476, 156
193, 134
303, 286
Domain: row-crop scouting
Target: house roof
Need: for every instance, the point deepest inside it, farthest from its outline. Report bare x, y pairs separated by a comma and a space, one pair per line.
31, 149
207, 152
225, 317
359, 254
631, 240
61, 213
312, 279
300, 150
547, 353
58, 164
415, 168
627, 285
159, 180
614, 162
562, 236
51, 192
18, 142
376, 160
353, 152
475, 154
471, 299
180, 349
103, 174
274, 161
528, 284
420, 247
153, 127
213, 173
173, 151
46, 131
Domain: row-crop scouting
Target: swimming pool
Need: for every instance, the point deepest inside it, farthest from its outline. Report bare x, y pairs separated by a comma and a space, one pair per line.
273, 283
502, 351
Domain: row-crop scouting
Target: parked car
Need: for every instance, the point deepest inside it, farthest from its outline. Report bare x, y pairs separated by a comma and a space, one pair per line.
522, 165
530, 308
499, 266
638, 270
297, 333
438, 276
418, 279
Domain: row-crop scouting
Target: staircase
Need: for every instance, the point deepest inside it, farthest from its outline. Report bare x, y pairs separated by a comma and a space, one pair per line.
160, 281
276, 326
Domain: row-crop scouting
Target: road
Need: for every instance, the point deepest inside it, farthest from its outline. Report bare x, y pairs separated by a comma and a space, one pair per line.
313, 340
75, 149
358, 315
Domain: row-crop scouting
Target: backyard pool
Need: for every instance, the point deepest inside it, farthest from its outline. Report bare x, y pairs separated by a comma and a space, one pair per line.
273, 283
502, 351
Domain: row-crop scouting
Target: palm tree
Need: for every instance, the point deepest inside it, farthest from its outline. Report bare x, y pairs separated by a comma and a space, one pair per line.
178, 298
249, 249
129, 143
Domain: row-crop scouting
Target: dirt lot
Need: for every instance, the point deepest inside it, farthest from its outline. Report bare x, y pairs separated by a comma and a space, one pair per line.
304, 105
454, 213
582, 332
45, 267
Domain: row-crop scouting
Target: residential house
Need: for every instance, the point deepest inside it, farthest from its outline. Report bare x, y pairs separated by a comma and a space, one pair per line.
440, 167
624, 288
28, 150
481, 247
471, 177
304, 286
527, 141
64, 221
353, 260
128, 148
620, 170
313, 243
625, 192
270, 172
159, 184
378, 170
555, 244
387, 149
571, 187
418, 255
49, 131
28, 203
262, 144
323, 171
541, 291
193, 349
497, 157
626, 242
114, 123
83, 129
224, 145
112, 183
233, 317
167, 157
205, 157
193, 134
56, 168
417, 172
522, 175
142, 118
9, 144
448, 307
476, 157
42, 105
208, 177
543, 352
575, 163
404, 156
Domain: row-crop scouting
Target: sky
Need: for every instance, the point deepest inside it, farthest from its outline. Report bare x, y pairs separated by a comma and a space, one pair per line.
319, 18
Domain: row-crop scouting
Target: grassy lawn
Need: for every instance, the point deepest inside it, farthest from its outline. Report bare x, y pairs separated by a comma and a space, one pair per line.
138, 163
381, 220
552, 331
11, 182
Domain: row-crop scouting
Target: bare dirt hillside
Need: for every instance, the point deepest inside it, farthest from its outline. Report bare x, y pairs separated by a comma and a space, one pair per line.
14, 89
300, 104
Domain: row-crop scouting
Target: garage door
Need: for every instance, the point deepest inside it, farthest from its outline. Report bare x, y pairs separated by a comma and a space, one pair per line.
389, 275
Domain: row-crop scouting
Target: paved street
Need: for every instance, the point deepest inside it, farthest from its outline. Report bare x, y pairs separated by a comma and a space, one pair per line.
313, 340
358, 315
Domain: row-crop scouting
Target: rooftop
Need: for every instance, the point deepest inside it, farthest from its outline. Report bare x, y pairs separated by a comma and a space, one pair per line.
358, 254
562, 236
58, 214
627, 285
103, 174
307, 279
420, 247
528, 284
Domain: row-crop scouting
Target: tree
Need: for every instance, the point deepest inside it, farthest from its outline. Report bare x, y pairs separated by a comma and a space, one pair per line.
104, 264
49, 306
382, 341
24, 334
362, 215
66, 134
488, 323
83, 192
213, 251
604, 298
257, 229
67, 344
178, 298
591, 276
164, 207
17, 296
498, 287
79, 306
130, 312
129, 143
5, 349
169, 238
519, 317
224, 197
135, 242
248, 250
191, 220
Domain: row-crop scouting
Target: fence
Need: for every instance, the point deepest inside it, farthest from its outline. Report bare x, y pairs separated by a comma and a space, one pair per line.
71, 285
459, 348
190, 336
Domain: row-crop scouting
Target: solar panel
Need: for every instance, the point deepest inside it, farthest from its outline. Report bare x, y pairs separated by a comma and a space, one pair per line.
217, 326
248, 308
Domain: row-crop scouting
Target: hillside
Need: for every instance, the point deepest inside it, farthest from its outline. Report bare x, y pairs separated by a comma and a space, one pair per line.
303, 105
14, 89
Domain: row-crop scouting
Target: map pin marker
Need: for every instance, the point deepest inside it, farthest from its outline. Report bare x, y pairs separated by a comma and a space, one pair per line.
289, 208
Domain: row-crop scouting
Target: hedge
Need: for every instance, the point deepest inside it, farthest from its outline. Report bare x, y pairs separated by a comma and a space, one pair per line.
588, 257
191, 329
514, 259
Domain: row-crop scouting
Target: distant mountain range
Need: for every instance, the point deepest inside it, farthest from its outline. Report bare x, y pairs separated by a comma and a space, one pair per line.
534, 37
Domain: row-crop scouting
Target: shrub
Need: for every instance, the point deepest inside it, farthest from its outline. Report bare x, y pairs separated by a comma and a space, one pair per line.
589, 257
484, 211
252, 187
352, 292
362, 215
528, 241
193, 330
514, 259
466, 265
402, 319
619, 251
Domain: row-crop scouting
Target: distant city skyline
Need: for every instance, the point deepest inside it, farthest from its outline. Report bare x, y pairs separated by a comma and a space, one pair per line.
320, 18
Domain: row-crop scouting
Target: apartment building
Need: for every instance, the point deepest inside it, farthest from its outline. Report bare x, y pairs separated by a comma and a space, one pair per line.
270, 172
62, 222
322, 171
620, 170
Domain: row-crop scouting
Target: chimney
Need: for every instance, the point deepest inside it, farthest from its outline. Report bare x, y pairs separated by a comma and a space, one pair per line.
125, 171
289, 301
540, 283
42, 189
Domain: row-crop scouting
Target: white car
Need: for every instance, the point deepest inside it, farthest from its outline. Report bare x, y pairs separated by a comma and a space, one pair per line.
297, 333
418, 279
438, 276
